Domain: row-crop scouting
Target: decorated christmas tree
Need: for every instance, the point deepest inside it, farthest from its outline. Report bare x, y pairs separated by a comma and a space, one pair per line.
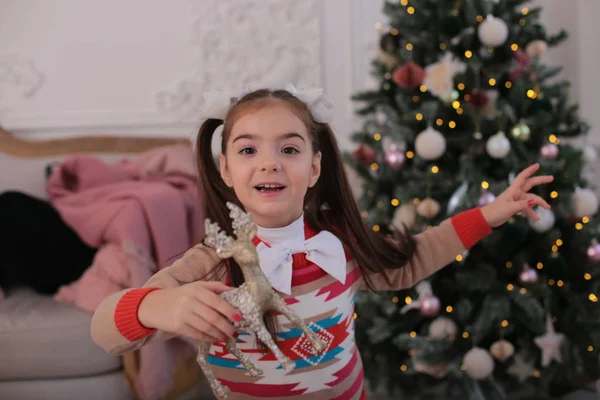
463, 101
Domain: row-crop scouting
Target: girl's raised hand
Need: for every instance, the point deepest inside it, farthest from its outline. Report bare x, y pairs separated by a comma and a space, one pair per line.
517, 199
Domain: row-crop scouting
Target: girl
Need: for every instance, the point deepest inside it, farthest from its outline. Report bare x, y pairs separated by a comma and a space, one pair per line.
281, 163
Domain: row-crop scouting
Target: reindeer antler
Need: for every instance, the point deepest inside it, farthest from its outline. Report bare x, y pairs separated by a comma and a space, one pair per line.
243, 227
215, 237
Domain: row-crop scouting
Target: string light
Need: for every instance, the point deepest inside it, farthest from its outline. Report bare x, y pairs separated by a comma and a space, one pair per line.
467, 97
504, 323
435, 169
404, 2
468, 54
525, 11
490, 49
590, 348
492, 82
514, 47
554, 194
479, 18
410, 154
423, 88
376, 228
559, 242
416, 202
461, 86
553, 139
355, 315
551, 282
374, 166
449, 309
560, 283
465, 334
463, 367
508, 84
540, 265
522, 22
531, 94
395, 202
364, 214
403, 368
585, 220
579, 226
587, 276
523, 290
380, 204
537, 373
407, 300
395, 299
416, 99
510, 287
413, 334
459, 111
419, 117
439, 122
485, 184
593, 298
554, 248
394, 32
508, 264
442, 46
410, 10
409, 46
377, 136
456, 104
379, 26
452, 124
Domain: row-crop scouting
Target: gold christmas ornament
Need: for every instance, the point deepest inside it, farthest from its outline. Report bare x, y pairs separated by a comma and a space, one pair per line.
521, 131
502, 350
252, 299
536, 48
428, 208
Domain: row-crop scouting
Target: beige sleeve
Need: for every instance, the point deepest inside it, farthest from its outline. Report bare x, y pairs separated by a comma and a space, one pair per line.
194, 264
434, 249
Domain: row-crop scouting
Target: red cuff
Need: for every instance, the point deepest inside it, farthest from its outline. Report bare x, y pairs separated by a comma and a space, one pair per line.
126, 315
470, 226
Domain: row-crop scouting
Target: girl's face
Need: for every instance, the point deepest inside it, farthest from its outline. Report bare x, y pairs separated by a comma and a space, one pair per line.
270, 164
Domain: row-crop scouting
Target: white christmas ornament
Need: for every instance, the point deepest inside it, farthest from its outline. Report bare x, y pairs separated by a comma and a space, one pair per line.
546, 221
439, 77
442, 327
479, 363
424, 291
430, 144
521, 369
498, 146
492, 31
586, 202
502, 350
550, 343
405, 214
536, 48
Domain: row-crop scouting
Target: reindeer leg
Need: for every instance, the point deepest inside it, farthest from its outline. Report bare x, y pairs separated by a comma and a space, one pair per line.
279, 305
263, 334
221, 392
233, 349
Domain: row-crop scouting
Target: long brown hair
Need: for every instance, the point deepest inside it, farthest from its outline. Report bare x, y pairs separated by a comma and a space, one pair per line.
329, 205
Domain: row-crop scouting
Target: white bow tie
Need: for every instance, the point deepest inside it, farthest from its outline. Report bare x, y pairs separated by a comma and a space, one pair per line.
324, 250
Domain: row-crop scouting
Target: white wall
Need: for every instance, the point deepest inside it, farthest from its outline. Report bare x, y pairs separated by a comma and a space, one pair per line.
138, 67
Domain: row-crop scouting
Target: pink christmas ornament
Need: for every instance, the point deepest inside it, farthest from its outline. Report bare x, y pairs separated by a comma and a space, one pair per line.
395, 159
549, 151
528, 275
593, 252
486, 198
430, 306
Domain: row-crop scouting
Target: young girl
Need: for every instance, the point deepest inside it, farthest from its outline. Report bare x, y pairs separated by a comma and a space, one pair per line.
281, 163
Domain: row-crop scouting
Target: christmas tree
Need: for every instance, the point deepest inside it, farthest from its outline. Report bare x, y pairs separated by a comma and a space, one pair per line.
463, 102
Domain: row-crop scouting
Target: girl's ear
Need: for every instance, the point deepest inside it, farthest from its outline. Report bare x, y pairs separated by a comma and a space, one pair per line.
315, 169
224, 170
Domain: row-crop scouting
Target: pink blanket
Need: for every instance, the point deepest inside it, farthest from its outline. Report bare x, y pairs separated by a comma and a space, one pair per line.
141, 214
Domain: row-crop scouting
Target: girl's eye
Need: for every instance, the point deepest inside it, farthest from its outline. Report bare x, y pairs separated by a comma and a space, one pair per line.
290, 150
247, 151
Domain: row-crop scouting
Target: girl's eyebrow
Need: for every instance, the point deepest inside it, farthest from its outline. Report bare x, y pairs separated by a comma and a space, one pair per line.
253, 136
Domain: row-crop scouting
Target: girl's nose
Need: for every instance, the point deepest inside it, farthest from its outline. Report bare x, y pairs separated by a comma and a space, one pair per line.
270, 162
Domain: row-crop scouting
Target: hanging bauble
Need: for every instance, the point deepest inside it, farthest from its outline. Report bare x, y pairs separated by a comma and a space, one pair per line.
549, 151
365, 154
430, 144
586, 202
389, 42
479, 363
437, 371
593, 252
439, 76
395, 159
387, 59
502, 350
409, 75
452, 25
428, 208
546, 221
442, 327
486, 198
536, 48
478, 99
528, 275
590, 155
430, 306
405, 217
492, 31
498, 146
540, 105
521, 131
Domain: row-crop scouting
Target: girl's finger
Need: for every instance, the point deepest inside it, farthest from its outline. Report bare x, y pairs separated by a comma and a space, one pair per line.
537, 180
526, 173
192, 332
535, 200
215, 324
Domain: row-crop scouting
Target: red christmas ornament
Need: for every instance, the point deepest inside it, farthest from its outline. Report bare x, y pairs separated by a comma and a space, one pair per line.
364, 154
522, 59
409, 75
478, 99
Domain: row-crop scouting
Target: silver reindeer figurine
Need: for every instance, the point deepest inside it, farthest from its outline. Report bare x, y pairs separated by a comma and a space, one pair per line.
253, 298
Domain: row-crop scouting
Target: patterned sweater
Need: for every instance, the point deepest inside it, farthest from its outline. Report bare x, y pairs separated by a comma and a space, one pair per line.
325, 304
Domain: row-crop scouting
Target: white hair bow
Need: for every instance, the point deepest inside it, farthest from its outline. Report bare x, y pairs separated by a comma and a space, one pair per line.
217, 103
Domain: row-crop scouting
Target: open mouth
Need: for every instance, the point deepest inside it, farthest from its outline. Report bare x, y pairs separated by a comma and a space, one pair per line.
269, 188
